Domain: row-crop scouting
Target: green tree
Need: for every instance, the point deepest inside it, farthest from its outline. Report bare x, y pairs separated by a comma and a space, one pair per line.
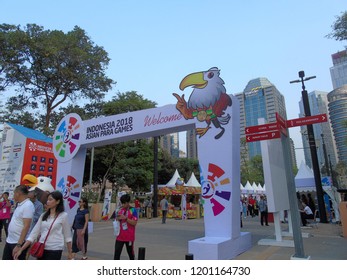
49, 67
245, 169
166, 166
26, 119
340, 174
339, 28
129, 163
256, 170
127, 102
186, 166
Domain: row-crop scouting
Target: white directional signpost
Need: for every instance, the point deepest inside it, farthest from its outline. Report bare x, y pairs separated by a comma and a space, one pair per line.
278, 173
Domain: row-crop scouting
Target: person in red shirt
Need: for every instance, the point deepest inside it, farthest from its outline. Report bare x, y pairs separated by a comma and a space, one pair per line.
251, 202
128, 217
5, 213
138, 207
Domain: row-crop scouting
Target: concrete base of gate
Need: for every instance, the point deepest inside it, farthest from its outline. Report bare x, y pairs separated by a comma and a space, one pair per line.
218, 248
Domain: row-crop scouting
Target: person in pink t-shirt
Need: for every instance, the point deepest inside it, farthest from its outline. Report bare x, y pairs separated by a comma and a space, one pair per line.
5, 213
128, 217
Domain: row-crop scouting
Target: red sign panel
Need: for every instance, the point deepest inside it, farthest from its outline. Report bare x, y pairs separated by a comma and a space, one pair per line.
282, 124
307, 120
39, 160
280, 120
261, 128
263, 136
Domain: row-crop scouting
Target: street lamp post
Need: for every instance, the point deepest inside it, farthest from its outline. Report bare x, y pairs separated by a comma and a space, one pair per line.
327, 167
313, 148
331, 171
155, 179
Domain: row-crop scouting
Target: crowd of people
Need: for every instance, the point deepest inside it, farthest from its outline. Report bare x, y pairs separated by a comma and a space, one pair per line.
254, 205
26, 220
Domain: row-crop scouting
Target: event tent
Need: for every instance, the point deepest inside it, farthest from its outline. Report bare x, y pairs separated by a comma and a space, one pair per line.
173, 180
248, 189
193, 182
304, 182
304, 179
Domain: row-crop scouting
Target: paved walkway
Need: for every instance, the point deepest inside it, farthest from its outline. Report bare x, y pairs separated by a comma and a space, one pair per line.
170, 241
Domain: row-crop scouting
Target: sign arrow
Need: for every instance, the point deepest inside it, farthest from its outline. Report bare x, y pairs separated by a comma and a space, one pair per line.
307, 120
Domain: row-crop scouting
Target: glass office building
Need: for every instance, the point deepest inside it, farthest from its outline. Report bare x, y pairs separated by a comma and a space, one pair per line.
260, 99
338, 116
318, 101
339, 70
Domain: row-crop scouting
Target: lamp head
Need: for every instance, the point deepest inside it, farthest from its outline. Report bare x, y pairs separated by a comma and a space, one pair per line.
301, 74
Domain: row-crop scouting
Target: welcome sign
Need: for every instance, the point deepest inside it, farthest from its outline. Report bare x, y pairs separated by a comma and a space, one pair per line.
215, 116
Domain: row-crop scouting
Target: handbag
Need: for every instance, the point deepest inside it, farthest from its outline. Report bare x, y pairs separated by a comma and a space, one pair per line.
37, 248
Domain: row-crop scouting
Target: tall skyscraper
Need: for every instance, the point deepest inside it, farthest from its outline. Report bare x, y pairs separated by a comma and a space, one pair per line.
339, 70
318, 101
338, 102
338, 116
192, 147
170, 143
260, 99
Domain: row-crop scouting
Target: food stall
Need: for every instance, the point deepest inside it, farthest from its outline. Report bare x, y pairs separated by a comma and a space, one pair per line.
189, 194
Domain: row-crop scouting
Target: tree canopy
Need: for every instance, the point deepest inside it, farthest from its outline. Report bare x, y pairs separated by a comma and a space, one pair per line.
339, 28
48, 67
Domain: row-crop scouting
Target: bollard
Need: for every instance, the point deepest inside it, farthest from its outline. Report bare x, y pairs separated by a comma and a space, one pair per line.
189, 257
142, 252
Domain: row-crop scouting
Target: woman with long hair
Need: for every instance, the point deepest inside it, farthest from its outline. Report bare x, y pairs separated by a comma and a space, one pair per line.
57, 219
80, 227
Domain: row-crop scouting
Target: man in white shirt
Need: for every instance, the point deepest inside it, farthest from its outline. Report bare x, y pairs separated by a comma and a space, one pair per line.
306, 213
19, 224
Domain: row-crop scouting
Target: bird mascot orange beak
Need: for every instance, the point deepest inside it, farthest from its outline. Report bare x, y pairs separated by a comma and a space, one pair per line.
29, 180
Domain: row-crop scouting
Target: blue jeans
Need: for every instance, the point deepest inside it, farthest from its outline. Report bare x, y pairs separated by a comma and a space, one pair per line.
163, 219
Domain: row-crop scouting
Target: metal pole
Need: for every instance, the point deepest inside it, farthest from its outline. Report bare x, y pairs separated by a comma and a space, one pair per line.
325, 156
293, 204
331, 172
142, 253
155, 183
314, 158
91, 168
313, 149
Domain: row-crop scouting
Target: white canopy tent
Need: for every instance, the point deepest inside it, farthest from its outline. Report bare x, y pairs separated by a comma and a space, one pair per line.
173, 180
304, 182
255, 187
193, 182
260, 189
248, 189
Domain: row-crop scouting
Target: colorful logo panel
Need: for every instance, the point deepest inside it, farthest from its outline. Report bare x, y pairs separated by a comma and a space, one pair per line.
67, 137
210, 192
70, 189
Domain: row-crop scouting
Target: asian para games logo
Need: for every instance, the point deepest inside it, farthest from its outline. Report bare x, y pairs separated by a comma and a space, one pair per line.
210, 191
32, 146
66, 139
70, 189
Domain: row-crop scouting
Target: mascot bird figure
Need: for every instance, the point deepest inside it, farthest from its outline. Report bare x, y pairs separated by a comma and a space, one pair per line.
41, 185
207, 102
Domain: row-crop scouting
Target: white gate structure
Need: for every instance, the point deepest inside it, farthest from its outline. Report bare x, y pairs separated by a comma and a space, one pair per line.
218, 128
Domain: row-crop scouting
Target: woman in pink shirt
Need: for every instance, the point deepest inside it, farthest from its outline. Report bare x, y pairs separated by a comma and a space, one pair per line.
5, 213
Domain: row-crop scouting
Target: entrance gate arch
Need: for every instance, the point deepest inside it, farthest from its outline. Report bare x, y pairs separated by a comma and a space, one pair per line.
219, 162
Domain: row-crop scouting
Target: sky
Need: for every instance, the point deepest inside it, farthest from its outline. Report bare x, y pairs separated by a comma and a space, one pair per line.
154, 44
